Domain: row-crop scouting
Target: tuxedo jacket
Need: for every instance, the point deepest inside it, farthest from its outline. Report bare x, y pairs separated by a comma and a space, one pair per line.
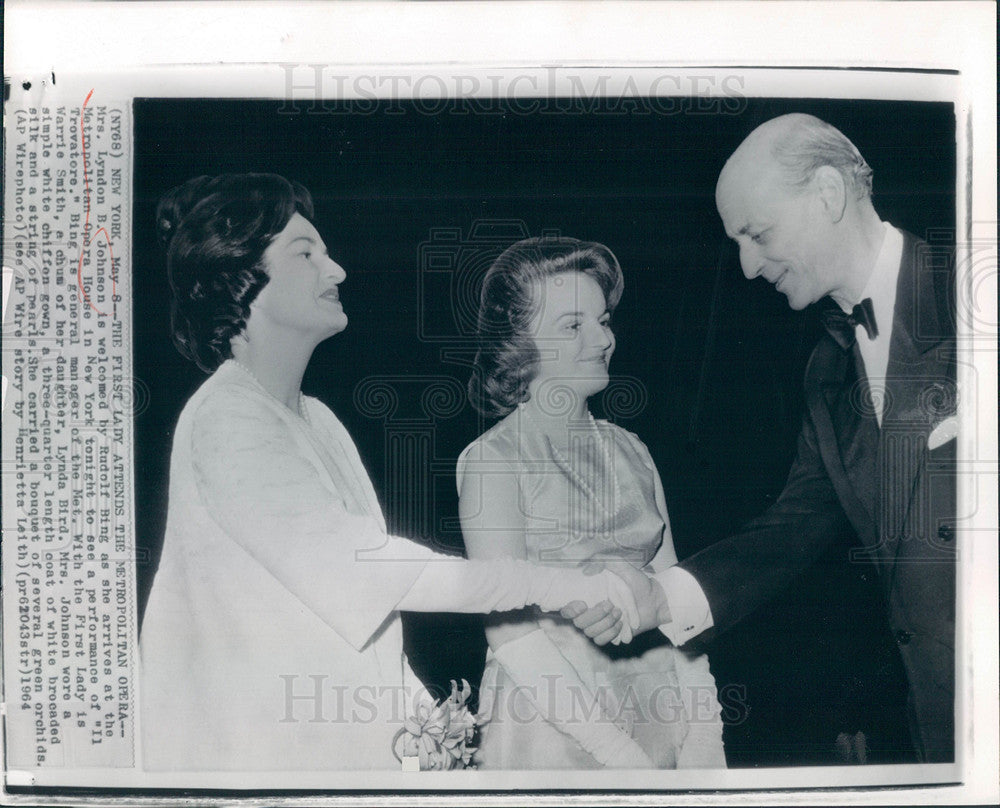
897, 494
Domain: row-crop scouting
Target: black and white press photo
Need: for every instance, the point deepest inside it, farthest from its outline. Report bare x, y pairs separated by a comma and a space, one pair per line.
574, 427
592, 314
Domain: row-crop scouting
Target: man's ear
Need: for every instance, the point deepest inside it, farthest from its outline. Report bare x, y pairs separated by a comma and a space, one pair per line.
832, 191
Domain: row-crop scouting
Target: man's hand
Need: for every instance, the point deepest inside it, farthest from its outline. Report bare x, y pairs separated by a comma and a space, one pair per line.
600, 623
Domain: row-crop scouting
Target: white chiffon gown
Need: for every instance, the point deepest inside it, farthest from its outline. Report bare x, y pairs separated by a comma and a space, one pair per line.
603, 500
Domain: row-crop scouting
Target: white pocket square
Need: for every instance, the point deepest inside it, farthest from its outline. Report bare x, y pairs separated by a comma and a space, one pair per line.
945, 431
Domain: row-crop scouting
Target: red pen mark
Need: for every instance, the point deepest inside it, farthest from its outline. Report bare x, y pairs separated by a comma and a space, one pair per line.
87, 241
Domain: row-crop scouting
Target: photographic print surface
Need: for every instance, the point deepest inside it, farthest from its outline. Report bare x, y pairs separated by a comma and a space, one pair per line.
302, 665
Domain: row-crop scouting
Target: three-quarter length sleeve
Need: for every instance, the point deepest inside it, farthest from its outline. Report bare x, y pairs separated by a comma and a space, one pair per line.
259, 484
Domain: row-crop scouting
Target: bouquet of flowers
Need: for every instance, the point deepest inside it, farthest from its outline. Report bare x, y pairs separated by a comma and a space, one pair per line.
439, 734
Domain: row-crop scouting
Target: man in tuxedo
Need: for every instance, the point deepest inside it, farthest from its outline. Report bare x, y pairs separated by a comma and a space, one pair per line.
876, 450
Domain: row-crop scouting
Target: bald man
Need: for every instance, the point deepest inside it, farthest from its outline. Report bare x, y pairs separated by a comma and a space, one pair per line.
877, 448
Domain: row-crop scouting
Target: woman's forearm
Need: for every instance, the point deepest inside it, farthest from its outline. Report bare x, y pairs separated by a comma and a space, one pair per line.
505, 584
459, 585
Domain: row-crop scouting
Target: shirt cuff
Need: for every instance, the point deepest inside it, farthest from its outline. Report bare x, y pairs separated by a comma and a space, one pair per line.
689, 610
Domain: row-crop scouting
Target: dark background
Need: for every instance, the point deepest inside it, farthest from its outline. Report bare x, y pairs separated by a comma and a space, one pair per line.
708, 369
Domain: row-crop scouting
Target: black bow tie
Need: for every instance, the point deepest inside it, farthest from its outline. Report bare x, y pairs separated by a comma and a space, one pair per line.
841, 325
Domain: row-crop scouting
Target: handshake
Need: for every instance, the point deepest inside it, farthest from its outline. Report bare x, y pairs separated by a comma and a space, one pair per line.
637, 605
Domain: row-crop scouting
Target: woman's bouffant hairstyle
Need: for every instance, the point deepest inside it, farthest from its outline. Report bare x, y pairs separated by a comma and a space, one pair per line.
507, 359
215, 231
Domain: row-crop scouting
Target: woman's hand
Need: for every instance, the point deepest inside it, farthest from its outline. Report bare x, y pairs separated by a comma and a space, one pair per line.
615, 749
602, 623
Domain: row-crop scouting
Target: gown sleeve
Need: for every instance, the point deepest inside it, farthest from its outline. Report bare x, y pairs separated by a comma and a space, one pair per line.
278, 506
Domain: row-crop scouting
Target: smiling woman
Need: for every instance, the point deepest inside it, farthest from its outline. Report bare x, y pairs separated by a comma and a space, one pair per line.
551, 484
302, 282
277, 576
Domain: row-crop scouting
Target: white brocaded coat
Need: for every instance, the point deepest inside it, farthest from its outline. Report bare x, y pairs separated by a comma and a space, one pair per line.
277, 579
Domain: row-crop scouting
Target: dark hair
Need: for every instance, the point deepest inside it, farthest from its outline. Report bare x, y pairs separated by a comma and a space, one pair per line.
507, 359
809, 143
215, 231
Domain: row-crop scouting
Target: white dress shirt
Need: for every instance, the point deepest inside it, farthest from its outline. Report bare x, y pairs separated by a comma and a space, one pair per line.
689, 608
881, 288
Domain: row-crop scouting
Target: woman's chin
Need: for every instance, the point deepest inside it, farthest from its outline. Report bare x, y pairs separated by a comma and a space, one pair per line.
592, 386
597, 390
340, 324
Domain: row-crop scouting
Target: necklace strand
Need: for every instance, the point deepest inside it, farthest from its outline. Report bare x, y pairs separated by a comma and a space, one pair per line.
303, 413
607, 447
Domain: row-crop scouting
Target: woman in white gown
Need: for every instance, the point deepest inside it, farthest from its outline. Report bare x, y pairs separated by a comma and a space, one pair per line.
550, 484
271, 639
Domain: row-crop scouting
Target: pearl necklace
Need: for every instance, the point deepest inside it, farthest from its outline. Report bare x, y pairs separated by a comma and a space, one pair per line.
303, 413
607, 447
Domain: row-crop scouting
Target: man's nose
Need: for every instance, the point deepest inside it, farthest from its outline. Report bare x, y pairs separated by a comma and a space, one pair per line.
750, 260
